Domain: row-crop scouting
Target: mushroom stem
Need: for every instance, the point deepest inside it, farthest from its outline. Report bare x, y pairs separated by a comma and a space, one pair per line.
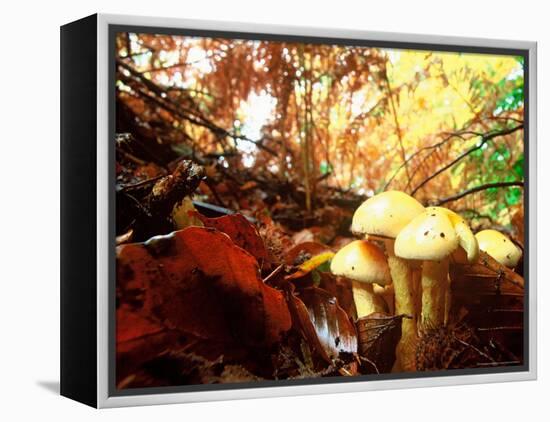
366, 301
434, 280
402, 276
417, 292
448, 301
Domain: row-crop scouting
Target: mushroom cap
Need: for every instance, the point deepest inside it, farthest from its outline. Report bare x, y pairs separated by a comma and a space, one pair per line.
361, 261
385, 214
466, 238
499, 246
430, 236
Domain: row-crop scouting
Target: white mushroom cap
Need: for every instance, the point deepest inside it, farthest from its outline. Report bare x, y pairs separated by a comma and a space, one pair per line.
361, 261
466, 237
385, 214
429, 237
499, 246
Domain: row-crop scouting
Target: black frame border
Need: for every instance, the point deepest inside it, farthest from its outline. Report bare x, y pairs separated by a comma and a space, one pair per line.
78, 211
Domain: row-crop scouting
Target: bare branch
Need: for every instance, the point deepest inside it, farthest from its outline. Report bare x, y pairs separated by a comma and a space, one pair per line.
479, 189
486, 138
397, 125
187, 114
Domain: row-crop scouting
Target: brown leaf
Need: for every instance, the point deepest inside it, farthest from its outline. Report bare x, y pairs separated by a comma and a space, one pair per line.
314, 234
198, 281
484, 277
324, 324
490, 297
241, 231
378, 336
342, 289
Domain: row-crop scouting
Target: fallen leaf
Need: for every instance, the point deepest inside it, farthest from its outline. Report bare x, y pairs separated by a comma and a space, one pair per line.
184, 214
378, 336
314, 234
324, 324
241, 231
482, 278
304, 251
310, 265
198, 281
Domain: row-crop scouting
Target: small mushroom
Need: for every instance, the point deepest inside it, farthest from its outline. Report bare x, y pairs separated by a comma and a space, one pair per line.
383, 216
364, 263
500, 247
430, 237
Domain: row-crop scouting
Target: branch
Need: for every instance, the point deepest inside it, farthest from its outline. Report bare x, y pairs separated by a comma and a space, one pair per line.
474, 214
448, 137
484, 140
408, 160
217, 53
478, 189
185, 113
397, 126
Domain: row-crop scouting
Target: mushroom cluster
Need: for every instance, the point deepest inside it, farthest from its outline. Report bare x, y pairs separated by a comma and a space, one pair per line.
416, 240
434, 237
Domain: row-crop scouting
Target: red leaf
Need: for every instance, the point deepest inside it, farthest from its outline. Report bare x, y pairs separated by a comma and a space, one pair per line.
198, 281
132, 326
241, 231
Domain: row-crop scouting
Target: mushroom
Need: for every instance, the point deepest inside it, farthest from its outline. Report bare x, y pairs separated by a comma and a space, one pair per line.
468, 252
433, 237
364, 263
500, 247
382, 217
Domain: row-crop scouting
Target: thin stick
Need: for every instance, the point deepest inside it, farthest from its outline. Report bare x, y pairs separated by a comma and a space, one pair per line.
479, 189
484, 140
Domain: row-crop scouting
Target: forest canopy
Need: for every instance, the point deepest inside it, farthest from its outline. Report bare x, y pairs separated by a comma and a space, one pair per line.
354, 119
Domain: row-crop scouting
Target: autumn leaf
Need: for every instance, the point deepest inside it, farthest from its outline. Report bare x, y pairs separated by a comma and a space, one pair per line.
241, 231
198, 281
324, 324
310, 265
304, 251
378, 337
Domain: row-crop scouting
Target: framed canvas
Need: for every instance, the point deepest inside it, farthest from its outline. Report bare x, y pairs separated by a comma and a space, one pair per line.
254, 211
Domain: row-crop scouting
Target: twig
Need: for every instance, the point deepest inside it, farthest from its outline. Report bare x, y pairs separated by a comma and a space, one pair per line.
478, 189
397, 126
185, 113
145, 182
474, 214
509, 328
478, 351
484, 140
370, 362
510, 362
274, 273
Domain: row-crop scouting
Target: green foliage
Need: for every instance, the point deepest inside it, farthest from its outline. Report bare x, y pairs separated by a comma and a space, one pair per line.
513, 94
325, 168
495, 164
